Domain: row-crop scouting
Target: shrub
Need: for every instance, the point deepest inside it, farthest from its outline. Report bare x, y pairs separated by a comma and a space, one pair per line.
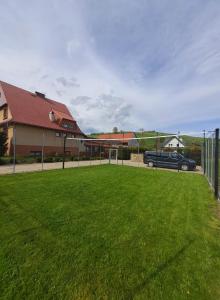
3, 143
49, 159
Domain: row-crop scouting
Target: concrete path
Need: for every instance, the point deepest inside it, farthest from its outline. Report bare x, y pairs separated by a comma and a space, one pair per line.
20, 168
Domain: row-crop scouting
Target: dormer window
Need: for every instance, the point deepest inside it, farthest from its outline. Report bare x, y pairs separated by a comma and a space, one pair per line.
68, 125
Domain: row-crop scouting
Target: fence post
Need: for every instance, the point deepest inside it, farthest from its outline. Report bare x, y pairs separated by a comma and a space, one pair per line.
42, 151
14, 147
78, 151
216, 161
64, 149
204, 153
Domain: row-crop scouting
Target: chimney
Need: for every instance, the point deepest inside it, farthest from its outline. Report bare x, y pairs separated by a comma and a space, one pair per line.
41, 95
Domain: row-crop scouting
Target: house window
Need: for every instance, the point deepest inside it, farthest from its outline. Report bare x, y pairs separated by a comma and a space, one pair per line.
58, 134
69, 125
35, 153
5, 113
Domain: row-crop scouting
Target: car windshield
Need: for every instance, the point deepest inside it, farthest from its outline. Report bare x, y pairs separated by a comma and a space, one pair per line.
177, 155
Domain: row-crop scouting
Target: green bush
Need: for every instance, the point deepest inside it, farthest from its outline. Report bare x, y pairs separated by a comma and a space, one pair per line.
58, 159
49, 159
6, 160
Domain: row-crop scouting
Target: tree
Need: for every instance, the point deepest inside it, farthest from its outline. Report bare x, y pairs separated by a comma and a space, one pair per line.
3, 143
115, 129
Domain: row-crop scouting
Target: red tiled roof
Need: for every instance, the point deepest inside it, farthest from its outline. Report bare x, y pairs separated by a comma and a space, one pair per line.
121, 136
31, 109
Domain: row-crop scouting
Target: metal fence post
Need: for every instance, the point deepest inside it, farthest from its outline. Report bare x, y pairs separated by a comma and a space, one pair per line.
204, 153
14, 148
78, 151
64, 150
42, 151
100, 154
216, 161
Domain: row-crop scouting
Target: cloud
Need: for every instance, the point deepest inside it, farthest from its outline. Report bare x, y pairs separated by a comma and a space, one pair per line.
132, 64
72, 82
108, 109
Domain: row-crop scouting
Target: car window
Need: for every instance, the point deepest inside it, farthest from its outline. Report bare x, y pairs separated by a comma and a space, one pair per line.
153, 154
174, 155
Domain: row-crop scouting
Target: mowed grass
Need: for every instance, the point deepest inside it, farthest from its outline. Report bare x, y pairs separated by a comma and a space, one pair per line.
108, 232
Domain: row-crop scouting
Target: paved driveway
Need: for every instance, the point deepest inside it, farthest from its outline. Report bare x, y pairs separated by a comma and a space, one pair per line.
20, 168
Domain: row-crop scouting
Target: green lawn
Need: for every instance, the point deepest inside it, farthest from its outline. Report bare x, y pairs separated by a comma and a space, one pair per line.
108, 232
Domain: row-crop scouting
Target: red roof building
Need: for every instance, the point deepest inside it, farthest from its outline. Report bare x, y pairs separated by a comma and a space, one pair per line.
127, 138
38, 122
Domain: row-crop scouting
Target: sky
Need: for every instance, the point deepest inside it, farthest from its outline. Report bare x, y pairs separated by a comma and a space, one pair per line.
127, 63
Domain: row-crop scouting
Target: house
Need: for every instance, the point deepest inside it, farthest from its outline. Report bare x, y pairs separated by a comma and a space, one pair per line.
126, 139
173, 142
36, 124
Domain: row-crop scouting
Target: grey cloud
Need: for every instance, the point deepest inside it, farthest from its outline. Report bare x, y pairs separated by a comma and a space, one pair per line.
80, 100
103, 110
44, 76
60, 92
72, 82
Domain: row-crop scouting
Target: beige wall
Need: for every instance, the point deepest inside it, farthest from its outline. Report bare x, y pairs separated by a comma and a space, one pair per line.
3, 101
34, 136
2, 113
30, 138
10, 137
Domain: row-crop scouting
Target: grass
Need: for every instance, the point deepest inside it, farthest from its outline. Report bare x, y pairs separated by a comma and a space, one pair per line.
108, 232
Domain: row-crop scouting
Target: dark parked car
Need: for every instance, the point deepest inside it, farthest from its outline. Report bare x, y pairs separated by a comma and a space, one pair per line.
168, 160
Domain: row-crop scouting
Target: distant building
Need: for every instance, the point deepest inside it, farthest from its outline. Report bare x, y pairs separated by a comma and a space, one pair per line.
126, 139
173, 142
36, 123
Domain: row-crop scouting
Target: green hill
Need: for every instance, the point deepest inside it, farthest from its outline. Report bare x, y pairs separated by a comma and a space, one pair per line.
151, 143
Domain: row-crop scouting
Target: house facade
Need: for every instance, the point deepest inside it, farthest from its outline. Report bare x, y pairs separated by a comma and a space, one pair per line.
36, 124
173, 142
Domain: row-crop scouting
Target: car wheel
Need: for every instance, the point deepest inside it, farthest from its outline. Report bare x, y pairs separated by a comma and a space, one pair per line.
184, 168
150, 164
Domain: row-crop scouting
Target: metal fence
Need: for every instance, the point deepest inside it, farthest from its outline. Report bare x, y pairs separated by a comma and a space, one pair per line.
60, 151
210, 159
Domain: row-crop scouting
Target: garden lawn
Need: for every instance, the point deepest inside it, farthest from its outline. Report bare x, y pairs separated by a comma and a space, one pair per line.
108, 232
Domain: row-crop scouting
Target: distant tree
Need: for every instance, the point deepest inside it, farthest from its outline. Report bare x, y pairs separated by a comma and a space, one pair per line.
3, 143
115, 129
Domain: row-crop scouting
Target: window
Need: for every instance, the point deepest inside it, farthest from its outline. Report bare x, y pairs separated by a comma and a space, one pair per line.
5, 113
58, 134
70, 125
35, 153
174, 155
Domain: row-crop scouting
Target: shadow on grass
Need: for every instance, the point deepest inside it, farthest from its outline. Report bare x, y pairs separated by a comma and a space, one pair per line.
160, 268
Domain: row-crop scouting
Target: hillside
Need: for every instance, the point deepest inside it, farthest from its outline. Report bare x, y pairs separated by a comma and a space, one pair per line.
151, 143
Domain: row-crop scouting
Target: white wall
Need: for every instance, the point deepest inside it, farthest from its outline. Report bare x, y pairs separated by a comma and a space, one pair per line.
173, 143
